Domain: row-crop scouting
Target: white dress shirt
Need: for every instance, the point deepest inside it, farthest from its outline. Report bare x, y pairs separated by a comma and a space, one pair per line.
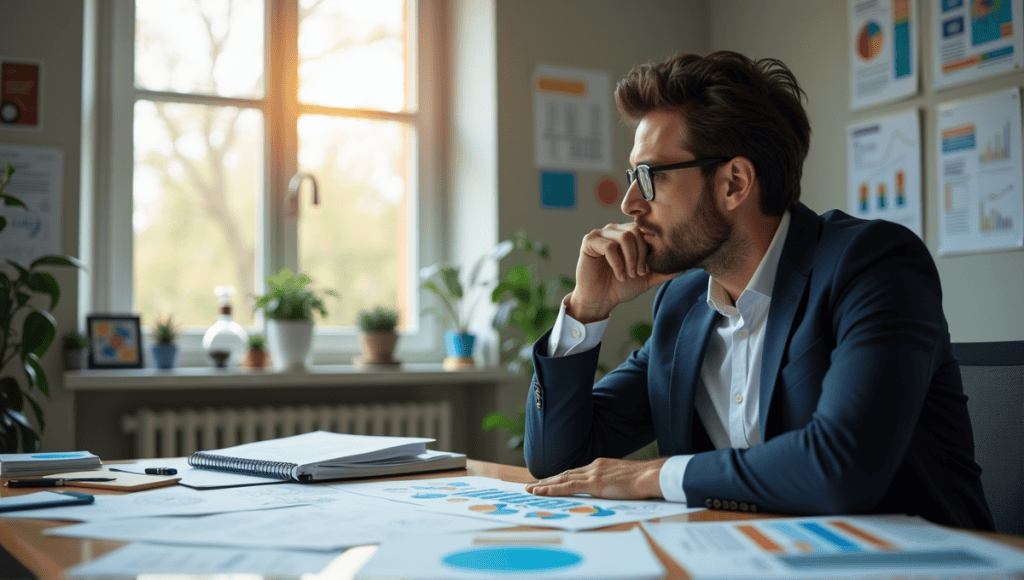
730, 378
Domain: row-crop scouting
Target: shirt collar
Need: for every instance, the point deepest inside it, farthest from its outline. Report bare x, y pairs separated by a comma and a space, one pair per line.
764, 276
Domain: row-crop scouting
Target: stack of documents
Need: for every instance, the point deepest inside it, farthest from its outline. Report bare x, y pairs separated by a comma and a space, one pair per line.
42, 463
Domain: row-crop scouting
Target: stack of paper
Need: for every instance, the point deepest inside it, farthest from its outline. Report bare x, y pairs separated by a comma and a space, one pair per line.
43, 463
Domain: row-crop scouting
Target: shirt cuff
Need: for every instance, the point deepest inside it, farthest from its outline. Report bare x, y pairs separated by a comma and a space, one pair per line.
570, 336
671, 478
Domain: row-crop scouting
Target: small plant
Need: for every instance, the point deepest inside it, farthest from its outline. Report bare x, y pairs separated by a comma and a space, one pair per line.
75, 340
454, 291
257, 342
165, 331
378, 319
290, 298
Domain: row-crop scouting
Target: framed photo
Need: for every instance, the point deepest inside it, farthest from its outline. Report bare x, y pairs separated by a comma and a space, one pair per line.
115, 341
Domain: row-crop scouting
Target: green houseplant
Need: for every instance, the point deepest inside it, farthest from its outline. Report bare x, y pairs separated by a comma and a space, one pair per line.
76, 350
26, 331
256, 356
165, 350
378, 337
458, 293
290, 305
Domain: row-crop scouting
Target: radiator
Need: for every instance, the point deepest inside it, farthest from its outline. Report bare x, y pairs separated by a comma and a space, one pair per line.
180, 432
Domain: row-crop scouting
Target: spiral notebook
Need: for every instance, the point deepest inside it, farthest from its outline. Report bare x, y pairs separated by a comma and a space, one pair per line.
322, 456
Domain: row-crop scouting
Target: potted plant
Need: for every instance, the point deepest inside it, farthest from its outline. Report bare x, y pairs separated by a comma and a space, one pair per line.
76, 353
445, 281
27, 330
256, 357
289, 306
378, 338
165, 350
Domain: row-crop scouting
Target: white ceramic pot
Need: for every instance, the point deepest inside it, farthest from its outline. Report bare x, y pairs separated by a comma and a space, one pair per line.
290, 343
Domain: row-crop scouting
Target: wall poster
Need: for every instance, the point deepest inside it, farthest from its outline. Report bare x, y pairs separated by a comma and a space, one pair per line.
974, 39
883, 51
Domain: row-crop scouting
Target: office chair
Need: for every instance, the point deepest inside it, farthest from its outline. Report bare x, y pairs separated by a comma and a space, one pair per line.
993, 376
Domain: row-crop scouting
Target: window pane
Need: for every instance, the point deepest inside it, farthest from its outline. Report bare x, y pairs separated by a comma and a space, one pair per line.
356, 240
356, 54
212, 47
196, 188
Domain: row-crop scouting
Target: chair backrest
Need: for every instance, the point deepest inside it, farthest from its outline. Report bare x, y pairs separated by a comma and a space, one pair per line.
993, 376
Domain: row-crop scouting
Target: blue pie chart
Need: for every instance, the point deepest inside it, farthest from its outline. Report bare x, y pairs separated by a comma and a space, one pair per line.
512, 559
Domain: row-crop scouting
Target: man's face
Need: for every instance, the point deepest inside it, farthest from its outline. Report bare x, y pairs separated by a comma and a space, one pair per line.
682, 225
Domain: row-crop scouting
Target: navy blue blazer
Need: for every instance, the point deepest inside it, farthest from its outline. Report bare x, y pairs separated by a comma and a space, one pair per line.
861, 405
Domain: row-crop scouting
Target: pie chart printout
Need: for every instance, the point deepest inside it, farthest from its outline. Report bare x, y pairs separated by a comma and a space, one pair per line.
869, 41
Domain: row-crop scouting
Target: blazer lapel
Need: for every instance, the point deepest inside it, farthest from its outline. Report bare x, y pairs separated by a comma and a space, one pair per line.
686, 365
790, 286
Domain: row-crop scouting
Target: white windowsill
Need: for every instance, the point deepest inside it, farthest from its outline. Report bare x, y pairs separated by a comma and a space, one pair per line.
316, 376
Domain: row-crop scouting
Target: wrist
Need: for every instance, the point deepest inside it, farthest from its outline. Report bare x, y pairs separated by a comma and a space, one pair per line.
583, 312
650, 478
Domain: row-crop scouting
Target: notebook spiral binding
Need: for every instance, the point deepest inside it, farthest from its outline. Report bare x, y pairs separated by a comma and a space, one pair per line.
276, 469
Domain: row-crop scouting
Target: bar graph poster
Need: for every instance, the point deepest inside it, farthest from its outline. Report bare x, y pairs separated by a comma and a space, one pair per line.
884, 170
883, 46
571, 119
974, 39
981, 197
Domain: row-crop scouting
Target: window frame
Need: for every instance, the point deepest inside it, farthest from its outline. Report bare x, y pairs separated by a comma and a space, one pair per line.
109, 286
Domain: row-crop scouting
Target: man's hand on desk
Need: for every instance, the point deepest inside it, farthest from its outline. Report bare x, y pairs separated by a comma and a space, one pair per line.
606, 478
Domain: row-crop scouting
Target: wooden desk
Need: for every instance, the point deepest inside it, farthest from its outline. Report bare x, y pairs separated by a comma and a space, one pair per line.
48, 556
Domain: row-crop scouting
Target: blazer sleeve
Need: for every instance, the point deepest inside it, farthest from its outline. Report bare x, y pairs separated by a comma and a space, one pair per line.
863, 381
570, 420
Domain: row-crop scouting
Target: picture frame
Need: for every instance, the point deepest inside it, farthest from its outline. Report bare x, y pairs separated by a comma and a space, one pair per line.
115, 341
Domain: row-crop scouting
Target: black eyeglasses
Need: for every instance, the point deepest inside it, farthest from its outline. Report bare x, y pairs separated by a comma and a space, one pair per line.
643, 173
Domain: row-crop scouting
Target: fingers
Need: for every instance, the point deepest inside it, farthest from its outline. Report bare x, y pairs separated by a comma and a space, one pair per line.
565, 483
622, 247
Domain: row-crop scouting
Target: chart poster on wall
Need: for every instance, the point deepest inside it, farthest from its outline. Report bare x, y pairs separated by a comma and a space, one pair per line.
35, 230
981, 197
884, 169
883, 47
975, 39
19, 93
571, 118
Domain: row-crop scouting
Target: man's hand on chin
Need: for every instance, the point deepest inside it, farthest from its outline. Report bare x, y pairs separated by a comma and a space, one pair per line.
606, 478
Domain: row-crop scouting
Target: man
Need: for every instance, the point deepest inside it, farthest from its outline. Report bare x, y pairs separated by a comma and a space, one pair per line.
801, 365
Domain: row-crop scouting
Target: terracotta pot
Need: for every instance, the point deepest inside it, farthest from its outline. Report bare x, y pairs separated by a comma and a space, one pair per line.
378, 347
256, 359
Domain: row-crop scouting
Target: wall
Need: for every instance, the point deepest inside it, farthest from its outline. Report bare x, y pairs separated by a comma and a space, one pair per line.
600, 36
983, 294
51, 31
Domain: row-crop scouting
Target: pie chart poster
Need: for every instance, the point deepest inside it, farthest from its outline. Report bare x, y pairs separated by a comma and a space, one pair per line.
882, 45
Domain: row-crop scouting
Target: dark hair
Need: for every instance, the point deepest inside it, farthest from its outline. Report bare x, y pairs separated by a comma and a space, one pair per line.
733, 106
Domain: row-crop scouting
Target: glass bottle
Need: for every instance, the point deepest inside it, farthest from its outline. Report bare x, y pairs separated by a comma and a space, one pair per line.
225, 341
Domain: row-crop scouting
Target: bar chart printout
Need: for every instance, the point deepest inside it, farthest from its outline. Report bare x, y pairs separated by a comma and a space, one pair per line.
884, 170
849, 547
980, 175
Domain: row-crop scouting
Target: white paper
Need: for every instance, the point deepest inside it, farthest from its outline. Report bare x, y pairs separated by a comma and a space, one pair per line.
884, 170
883, 51
180, 501
136, 559
197, 478
330, 526
848, 547
510, 504
974, 39
979, 174
549, 556
38, 182
571, 118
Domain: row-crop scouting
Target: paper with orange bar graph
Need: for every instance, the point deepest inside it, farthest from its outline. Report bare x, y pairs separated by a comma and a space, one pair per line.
848, 547
975, 39
572, 118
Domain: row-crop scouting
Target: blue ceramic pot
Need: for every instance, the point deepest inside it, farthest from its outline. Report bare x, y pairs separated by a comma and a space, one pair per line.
459, 344
165, 355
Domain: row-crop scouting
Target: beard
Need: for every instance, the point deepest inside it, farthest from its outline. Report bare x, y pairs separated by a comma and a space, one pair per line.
696, 243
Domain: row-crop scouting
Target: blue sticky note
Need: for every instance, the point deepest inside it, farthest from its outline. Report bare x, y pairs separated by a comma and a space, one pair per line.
558, 189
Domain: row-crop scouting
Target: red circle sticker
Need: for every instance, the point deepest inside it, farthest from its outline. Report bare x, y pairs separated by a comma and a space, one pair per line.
607, 191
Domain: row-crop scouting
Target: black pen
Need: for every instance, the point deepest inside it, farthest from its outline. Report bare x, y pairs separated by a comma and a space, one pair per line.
48, 482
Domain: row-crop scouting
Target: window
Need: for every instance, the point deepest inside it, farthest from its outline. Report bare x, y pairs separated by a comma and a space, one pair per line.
221, 110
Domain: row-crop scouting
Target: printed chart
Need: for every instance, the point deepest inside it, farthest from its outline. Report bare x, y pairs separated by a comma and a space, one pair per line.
883, 66
975, 39
981, 187
35, 230
496, 500
830, 547
553, 556
884, 170
572, 119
